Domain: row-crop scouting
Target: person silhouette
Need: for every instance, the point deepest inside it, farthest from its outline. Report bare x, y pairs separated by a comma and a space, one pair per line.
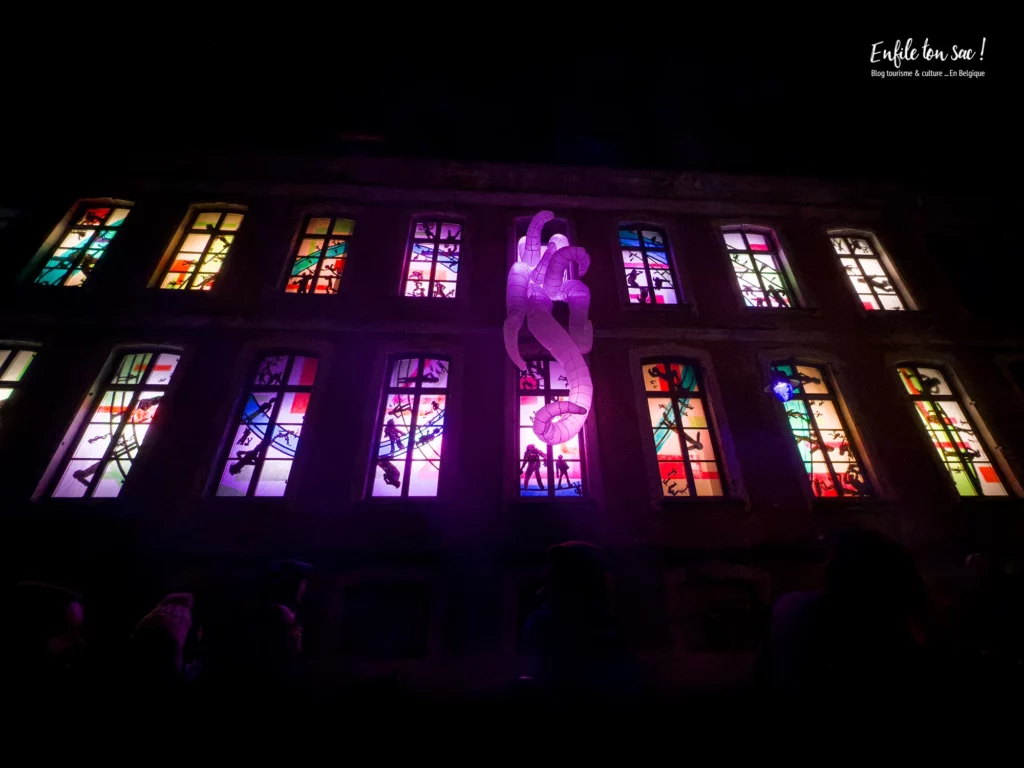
562, 468
861, 633
393, 433
532, 459
575, 645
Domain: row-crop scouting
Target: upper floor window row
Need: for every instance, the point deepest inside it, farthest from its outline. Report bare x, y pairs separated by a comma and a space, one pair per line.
434, 256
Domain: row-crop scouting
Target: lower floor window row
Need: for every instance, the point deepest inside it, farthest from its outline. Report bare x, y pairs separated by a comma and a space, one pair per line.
682, 446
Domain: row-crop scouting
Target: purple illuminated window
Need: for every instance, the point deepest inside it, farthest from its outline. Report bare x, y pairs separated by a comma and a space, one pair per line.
410, 429
432, 267
649, 277
546, 470
266, 436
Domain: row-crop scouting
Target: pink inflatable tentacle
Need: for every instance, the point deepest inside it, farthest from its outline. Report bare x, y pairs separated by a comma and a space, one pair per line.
555, 244
577, 296
541, 270
559, 263
531, 249
574, 410
515, 304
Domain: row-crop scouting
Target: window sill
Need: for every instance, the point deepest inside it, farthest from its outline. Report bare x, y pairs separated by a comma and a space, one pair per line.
723, 502
991, 502
669, 308
782, 311
851, 506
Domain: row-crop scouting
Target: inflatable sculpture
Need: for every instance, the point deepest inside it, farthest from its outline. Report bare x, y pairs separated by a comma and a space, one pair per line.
536, 280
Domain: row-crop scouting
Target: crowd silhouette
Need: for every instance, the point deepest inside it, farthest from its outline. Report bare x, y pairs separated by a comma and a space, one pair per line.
870, 628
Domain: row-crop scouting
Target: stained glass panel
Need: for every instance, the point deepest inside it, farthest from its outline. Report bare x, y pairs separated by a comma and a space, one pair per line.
318, 262
678, 415
202, 251
545, 470
81, 246
873, 285
954, 436
266, 437
410, 432
109, 442
755, 262
821, 434
432, 267
14, 361
649, 279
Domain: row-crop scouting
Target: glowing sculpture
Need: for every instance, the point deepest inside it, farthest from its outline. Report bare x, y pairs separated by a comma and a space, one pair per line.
536, 280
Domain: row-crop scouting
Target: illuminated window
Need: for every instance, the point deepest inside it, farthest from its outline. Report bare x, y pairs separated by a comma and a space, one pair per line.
321, 255
433, 265
14, 361
680, 414
546, 470
263, 445
108, 444
874, 286
411, 428
755, 261
202, 250
822, 437
951, 432
82, 245
649, 278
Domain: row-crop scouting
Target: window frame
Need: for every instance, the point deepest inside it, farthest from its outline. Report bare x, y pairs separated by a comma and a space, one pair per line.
62, 458
588, 491
185, 229
888, 267
853, 436
728, 491
958, 396
771, 234
441, 219
334, 215
248, 385
638, 225
16, 386
30, 274
386, 392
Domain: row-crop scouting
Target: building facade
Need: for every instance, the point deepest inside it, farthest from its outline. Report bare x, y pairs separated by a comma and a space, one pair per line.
303, 357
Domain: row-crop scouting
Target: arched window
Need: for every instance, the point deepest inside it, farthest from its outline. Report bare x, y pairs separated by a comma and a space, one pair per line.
410, 427
106, 446
865, 266
203, 248
821, 434
259, 460
546, 470
952, 432
689, 462
14, 361
756, 262
83, 243
645, 258
321, 255
432, 266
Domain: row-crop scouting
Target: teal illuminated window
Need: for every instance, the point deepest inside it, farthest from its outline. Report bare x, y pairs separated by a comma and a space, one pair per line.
81, 246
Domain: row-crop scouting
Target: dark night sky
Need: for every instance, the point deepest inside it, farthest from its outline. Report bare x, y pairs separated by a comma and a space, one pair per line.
798, 104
